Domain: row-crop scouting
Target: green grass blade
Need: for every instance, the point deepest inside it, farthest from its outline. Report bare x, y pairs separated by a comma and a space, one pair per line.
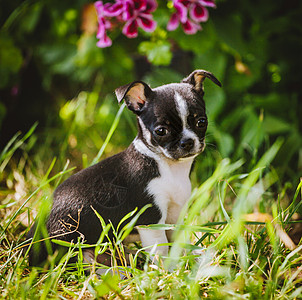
14, 144
26, 201
110, 133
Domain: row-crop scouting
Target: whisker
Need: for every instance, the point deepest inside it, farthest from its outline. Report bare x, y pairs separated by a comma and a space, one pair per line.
209, 134
211, 145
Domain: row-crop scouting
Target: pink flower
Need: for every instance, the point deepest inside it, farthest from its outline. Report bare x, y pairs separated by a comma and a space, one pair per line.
137, 13
197, 14
115, 9
134, 13
104, 24
208, 3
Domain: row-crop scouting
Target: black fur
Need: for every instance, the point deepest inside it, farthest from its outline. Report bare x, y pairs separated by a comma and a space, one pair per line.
113, 187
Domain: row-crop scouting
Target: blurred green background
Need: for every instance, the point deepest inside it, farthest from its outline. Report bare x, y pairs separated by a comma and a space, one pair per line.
51, 71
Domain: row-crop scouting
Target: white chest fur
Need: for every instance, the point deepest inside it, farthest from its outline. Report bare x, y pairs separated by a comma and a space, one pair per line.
172, 189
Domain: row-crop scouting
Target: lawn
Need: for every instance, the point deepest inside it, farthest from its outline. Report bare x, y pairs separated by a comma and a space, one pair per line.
232, 241
239, 237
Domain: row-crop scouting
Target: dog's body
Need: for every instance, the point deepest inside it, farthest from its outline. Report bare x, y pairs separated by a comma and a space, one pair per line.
154, 169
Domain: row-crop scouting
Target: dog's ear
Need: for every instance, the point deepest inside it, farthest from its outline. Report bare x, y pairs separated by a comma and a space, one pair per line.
197, 77
135, 94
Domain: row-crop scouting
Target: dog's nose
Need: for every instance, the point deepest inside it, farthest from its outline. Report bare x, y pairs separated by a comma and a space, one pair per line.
187, 144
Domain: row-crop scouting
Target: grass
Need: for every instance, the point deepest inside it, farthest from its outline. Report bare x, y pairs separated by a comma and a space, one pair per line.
231, 242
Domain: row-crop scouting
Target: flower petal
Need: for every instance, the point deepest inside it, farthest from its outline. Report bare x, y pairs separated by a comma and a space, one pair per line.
198, 13
128, 11
139, 4
146, 22
173, 22
208, 3
104, 42
113, 10
130, 29
151, 6
102, 26
98, 5
190, 27
101, 30
182, 12
107, 24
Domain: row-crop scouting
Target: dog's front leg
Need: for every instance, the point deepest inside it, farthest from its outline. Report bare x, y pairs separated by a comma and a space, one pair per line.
174, 210
152, 239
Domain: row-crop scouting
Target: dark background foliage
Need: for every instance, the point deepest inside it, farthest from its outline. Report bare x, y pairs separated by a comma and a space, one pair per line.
51, 71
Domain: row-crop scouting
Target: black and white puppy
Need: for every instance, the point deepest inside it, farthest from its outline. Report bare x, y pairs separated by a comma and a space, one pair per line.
154, 169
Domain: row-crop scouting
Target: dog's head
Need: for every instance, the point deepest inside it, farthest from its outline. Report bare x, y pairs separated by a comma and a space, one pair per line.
172, 118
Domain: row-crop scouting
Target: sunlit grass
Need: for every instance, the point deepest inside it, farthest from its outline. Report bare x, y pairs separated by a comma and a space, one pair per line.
226, 246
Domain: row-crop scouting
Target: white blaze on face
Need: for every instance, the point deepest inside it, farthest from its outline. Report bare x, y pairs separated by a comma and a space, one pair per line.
182, 109
146, 133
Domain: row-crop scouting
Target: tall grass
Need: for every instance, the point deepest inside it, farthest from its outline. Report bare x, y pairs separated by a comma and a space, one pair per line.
226, 246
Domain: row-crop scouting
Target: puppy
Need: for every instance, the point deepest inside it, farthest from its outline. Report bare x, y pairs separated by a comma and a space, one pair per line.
154, 169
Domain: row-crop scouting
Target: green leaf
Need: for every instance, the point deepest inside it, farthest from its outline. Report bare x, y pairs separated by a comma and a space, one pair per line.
225, 140
200, 42
158, 53
10, 59
229, 31
129, 226
195, 228
109, 283
274, 125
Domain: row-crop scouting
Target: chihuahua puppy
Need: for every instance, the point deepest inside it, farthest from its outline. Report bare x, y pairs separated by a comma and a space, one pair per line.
154, 169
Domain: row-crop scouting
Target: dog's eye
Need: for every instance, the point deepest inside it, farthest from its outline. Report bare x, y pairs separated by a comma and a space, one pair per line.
161, 131
201, 122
